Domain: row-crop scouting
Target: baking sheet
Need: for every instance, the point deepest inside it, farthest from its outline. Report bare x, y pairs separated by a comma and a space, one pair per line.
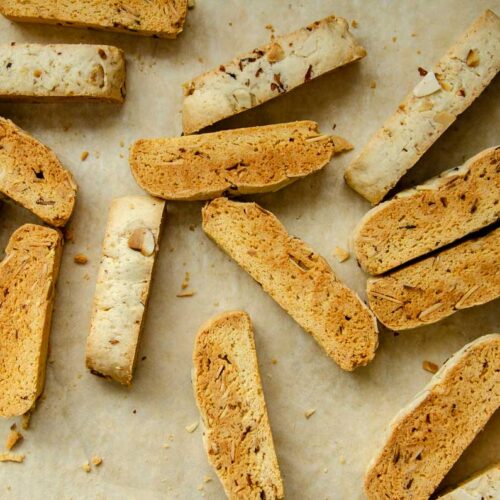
322, 457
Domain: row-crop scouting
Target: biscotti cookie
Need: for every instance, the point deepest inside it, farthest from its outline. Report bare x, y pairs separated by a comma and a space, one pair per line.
228, 391
297, 278
459, 277
28, 276
38, 73
484, 485
33, 177
442, 94
121, 295
158, 18
232, 162
268, 71
420, 220
428, 436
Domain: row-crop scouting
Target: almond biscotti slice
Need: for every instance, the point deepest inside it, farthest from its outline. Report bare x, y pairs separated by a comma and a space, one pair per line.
232, 162
33, 177
463, 276
484, 485
129, 251
28, 276
39, 73
444, 209
268, 71
428, 436
458, 78
228, 391
158, 18
297, 278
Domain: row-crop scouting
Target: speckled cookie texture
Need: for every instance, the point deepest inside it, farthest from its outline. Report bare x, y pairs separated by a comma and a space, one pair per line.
28, 277
297, 278
129, 251
232, 162
462, 74
428, 436
268, 71
158, 18
228, 391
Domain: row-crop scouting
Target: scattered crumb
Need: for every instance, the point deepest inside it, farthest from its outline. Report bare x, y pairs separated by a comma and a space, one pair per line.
170, 437
189, 293
11, 457
274, 361
325, 470
342, 459
191, 4
96, 460
334, 126
413, 34
230, 23
122, 143
185, 283
341, 254
394, 39
12, 439
200, 60
166, 445
430, 367
309, 413
86, 467
354, 23
84, 155
144, 358
419, 52
86, 276
25, 421
373, 84
206, 479
80, 259
192, 427
69, 234
134, 411
191, 227
13, 427
199, 487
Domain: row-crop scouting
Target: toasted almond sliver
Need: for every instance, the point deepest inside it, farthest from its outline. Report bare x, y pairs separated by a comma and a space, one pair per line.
309, 413
472, 59
386, 297
11, 457
341, 254
318, 138
430, 310
430, 367
192, 427
465, 296
427, 85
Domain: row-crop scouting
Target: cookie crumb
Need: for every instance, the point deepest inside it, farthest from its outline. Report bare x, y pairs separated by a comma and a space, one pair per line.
274, 361
80, 259
325, 470
25, 421
373, 84
191, 227
309, 413
11, 457
341, 254
96, 460
199, 487
206, 479
394, 39
342, 459
192, 427
12, 439
354, 23
185, 283
86, 467
84, 155
430, 367
188, 293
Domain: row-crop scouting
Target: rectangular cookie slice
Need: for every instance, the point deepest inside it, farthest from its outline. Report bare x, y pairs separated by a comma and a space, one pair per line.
232, 162
39, 73
129, 251
268, 71
465, 275
443, 93
158, 18
297, 278
444, 209
484, 485
28, 277
33, 177
228, 391
428, 436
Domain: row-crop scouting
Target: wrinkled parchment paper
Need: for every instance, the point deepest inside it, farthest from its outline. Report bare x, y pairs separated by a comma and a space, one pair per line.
326, 455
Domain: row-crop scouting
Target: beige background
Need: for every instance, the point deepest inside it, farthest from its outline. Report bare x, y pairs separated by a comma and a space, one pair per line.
81, 415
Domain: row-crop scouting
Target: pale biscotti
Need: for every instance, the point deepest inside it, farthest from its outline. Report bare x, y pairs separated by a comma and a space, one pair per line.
463, 276
484, 485
232, 162
158, 18
39, 73
268, 71
432, 215
129, 251
28, 276
33, 177
455, 82
428, 436
228, 391
297, 278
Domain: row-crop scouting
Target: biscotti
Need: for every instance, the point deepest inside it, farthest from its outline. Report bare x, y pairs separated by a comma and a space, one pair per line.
442, 94
228, 391
297, 278
428, 436
129, 250
484, 485
441, 211
266, 72
39, 73
158, 18
28, 276
232, 162
33, 177
459, 277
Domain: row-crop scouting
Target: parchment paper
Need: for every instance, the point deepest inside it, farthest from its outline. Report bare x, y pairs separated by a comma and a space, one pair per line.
325, 456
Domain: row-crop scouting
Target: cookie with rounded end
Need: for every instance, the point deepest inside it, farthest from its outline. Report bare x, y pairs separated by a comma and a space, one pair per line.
485, 485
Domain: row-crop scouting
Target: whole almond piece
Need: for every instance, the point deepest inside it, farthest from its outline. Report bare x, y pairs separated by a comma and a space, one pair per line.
142, 239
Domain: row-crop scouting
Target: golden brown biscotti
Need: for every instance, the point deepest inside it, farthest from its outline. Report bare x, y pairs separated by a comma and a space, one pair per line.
444, 209
297, 278
444, 93
485, 485
428, 436
158, 18
429, 290
228, 391
28, 276
33, 177
39, 73
268, 71
129, 252
232, 162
